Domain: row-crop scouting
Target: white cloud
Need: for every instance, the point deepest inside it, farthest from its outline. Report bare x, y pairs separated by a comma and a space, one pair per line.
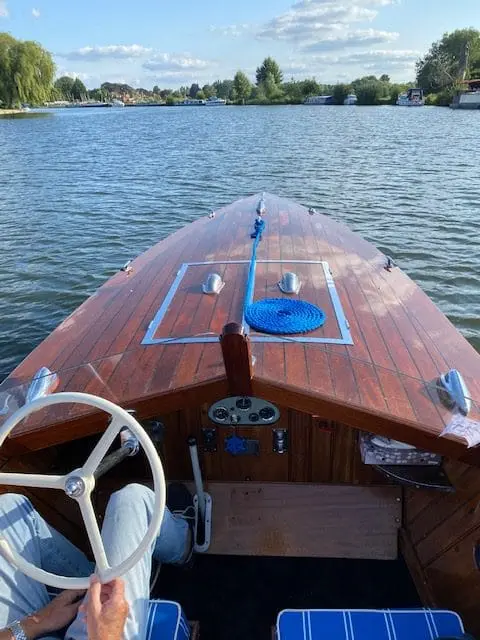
357, 38
373, 3
381, 59
328, 24
36, 13
372, 55
315, 20
231, 30
172, 63
172, 79
109, 51
295, 69
141, 66
344, 67
84, 77
3, 9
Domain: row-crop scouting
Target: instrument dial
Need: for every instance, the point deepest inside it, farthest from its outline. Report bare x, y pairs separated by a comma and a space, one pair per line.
254, 417
267, 413
221, 414
244, 404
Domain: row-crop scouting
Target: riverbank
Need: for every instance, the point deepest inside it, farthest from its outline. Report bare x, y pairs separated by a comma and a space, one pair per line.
10, 112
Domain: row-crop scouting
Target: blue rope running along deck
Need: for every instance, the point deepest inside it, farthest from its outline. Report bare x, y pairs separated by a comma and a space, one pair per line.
277, 315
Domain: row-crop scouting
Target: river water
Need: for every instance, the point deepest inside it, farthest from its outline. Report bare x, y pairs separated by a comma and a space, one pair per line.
82, 191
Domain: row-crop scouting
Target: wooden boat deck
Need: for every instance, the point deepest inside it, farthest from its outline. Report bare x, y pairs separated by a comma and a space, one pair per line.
383, 382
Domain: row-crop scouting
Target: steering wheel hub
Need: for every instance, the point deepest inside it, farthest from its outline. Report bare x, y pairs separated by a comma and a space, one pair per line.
75, 487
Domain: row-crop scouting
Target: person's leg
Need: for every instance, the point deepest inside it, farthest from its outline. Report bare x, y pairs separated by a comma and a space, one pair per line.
27, 532
127, 517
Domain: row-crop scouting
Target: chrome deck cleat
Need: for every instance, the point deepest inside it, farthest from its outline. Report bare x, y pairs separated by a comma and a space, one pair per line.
453, 391
213, 284
290, 283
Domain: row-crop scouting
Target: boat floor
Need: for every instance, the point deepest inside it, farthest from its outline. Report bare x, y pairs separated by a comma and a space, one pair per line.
239, 597
305, 520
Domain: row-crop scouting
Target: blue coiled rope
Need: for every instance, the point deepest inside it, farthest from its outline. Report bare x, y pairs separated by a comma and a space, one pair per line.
277, 315
284, 316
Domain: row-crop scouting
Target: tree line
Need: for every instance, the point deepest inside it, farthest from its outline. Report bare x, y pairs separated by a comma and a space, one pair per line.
27, 76
269, 88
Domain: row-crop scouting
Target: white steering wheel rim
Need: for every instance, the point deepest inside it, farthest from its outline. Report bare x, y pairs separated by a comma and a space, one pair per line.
125, 419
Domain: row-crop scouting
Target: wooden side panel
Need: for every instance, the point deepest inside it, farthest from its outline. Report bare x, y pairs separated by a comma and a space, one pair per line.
444, 530
456, 581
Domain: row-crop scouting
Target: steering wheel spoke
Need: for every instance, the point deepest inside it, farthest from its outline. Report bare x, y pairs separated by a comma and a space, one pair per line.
93, 532
32, 480
103, 445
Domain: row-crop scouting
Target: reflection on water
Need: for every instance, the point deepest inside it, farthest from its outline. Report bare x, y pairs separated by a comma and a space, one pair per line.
83, 191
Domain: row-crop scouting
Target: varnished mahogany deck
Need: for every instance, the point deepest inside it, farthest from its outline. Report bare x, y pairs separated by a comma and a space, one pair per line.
381, 383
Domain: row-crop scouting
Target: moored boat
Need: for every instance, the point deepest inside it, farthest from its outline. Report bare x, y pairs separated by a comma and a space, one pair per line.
215, 102
411, 98
469, 98
88, 105
333, 406
319, 100
190, 102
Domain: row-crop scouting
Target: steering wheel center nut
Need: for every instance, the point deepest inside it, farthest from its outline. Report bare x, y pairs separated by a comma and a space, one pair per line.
75, 487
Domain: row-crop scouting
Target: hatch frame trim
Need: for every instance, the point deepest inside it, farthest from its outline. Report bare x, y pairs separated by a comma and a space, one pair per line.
343, 325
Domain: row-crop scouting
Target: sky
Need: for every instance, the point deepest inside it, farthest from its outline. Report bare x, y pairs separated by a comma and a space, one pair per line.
172, 43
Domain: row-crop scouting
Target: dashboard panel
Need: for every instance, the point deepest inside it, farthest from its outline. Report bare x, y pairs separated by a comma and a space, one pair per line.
243, 411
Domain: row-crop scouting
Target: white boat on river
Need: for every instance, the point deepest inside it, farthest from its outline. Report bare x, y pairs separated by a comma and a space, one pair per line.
411, 98
469, 98
215, 102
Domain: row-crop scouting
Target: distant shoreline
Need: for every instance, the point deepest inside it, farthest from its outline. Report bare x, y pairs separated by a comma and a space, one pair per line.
10, 112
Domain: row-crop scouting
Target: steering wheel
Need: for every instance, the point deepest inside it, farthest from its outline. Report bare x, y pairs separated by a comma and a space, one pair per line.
79, 485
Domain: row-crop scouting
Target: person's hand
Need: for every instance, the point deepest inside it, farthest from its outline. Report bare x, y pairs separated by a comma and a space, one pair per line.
55, 616
106, 610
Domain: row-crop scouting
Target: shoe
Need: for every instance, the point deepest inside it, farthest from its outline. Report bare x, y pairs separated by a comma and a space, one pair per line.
180, 503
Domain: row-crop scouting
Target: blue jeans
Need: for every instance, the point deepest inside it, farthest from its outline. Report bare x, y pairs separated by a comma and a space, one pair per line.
126, 520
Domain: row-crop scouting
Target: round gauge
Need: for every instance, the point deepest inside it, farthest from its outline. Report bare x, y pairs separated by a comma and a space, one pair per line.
221, 414
254, 417
244, 404
267, 413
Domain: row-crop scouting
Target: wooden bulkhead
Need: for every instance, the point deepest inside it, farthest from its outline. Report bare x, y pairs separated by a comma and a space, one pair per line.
151, 340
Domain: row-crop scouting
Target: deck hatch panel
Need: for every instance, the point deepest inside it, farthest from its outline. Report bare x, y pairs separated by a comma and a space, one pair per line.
188, 316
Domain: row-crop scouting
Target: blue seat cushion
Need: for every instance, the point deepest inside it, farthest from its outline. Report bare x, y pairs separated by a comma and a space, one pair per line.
166, 621
356, 624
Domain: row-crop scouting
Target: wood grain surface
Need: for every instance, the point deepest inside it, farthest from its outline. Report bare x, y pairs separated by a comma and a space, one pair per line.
384, 382
321, 521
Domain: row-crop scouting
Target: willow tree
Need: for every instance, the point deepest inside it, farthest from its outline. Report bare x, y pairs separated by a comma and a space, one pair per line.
7, 45
26, 72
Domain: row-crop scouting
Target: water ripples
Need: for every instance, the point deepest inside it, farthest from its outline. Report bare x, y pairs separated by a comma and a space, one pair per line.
82, 191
